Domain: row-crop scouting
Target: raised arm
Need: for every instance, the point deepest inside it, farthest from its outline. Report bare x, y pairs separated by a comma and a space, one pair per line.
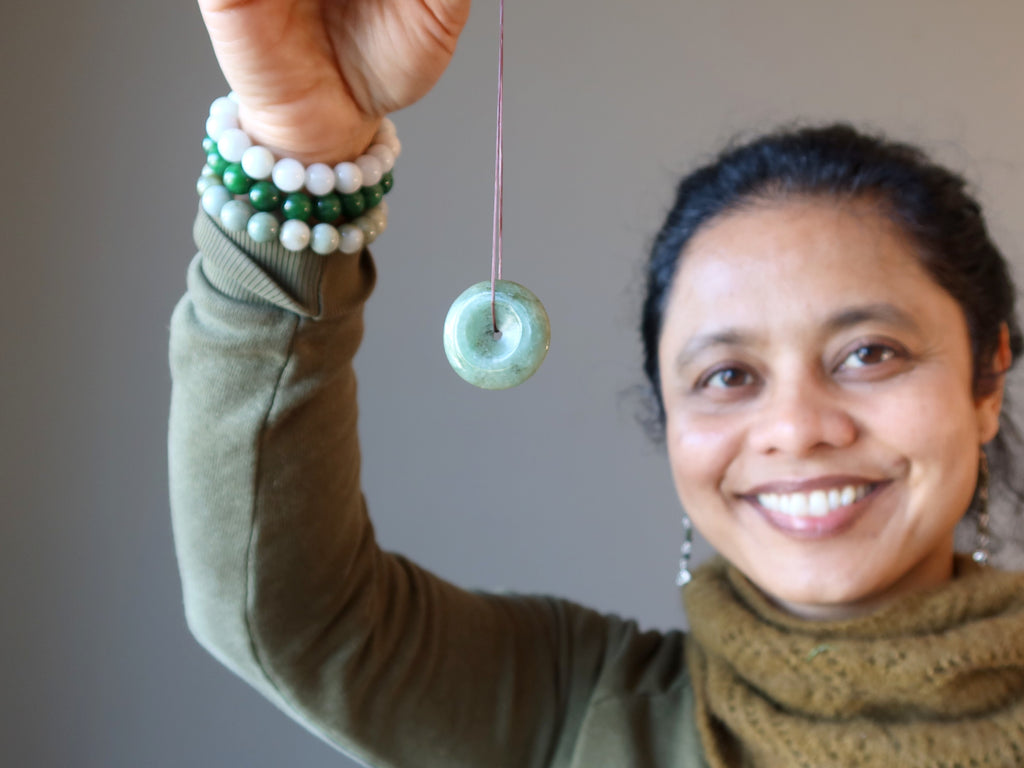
282, 578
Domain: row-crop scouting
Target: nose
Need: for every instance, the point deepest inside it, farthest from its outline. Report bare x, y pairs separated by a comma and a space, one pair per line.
798, 418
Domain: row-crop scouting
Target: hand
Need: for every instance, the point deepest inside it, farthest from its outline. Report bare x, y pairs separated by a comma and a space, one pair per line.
315, 77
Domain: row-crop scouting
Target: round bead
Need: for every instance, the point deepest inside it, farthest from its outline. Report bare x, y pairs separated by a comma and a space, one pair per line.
208, 171
297, 206
294, 235
258, 162
324, 239
384, 154
216, 162
224, 107
328, 208
348, 178
215, 126
288, 174
232, 144
319, 179
392, 143
215, 198
264, 196
236, 180
387, 127
235, 215
353, 205
379, 224
371, 168
263, 227
209, 145
496, 361
378, 217
352, 239
373, 195
387, 182
205, 182
370, 229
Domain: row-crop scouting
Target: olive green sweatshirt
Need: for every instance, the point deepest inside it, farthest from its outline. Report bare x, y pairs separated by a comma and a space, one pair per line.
284, 582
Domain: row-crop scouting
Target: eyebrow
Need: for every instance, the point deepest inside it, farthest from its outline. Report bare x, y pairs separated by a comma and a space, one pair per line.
847, 318
882, 311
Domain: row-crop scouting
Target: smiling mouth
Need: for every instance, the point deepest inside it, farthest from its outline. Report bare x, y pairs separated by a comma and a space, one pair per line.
817, 513
819, 503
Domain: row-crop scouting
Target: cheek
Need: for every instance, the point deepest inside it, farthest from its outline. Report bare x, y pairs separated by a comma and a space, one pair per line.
700, 451
930, 430
933, 418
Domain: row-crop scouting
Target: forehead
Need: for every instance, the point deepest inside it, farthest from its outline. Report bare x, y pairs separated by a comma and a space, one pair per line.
797, 262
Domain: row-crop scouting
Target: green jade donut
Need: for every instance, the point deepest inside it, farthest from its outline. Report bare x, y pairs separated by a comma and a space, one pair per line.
508, 358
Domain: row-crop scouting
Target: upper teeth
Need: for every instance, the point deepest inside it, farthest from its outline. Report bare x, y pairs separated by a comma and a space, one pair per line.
815, 503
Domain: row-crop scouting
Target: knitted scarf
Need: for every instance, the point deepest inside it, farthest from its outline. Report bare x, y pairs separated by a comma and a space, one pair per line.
931, 679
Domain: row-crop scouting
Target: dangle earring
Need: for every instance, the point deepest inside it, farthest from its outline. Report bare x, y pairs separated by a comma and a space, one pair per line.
684, 575
983, 537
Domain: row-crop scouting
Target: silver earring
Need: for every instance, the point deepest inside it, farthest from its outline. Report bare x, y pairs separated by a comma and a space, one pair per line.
684, 575
983, 537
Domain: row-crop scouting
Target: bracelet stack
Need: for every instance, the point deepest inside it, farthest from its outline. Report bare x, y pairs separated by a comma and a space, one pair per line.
326, 209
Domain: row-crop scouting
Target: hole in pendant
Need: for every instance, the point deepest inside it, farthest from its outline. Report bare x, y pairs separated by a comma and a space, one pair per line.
496, 335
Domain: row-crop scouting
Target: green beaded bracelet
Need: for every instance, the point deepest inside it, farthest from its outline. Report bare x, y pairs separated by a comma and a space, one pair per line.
231, 154
234, 177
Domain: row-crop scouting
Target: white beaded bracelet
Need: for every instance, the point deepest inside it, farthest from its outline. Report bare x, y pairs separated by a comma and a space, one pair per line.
361, 183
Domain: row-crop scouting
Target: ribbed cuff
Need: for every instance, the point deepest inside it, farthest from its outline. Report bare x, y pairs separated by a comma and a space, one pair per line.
303, 282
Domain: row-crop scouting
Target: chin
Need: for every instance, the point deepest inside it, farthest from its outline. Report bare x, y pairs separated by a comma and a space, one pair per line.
808, 590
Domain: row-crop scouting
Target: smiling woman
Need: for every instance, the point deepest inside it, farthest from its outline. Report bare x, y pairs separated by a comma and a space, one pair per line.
856, 385
826, 330
851, 295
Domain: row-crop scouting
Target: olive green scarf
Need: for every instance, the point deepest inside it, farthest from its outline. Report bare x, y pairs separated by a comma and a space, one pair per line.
932, 679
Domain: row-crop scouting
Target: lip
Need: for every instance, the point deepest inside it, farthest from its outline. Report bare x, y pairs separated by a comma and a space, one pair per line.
810, 527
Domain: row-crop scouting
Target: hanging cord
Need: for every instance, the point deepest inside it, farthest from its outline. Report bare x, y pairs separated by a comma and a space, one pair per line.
498, 168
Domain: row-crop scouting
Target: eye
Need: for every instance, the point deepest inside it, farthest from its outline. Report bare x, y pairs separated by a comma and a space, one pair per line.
729, 377
867, 355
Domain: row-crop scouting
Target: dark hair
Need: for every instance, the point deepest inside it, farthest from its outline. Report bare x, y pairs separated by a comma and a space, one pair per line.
929, 203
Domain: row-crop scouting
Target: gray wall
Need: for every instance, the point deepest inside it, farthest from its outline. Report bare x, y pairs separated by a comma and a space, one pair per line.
549, 487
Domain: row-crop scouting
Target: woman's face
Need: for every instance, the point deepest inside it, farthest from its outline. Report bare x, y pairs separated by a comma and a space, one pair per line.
822, 428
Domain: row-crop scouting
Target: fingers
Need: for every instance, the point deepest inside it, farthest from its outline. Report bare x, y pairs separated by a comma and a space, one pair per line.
451, 15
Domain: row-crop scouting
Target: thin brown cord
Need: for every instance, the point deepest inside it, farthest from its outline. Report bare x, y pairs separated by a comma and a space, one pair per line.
498, 168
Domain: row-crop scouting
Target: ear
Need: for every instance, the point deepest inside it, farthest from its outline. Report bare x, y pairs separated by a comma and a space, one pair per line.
989, 405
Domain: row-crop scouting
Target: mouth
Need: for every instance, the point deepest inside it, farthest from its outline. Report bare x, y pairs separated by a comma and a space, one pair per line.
823, 511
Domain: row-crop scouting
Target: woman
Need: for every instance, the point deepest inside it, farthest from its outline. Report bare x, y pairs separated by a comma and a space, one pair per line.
827, 330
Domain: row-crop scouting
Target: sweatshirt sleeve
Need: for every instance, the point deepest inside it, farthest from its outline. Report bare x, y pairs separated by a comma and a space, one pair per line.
282, 578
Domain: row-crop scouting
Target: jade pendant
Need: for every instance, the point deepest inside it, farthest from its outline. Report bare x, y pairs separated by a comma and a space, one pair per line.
499, 360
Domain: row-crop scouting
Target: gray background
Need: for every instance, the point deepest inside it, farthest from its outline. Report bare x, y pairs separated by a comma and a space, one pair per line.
550, 487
